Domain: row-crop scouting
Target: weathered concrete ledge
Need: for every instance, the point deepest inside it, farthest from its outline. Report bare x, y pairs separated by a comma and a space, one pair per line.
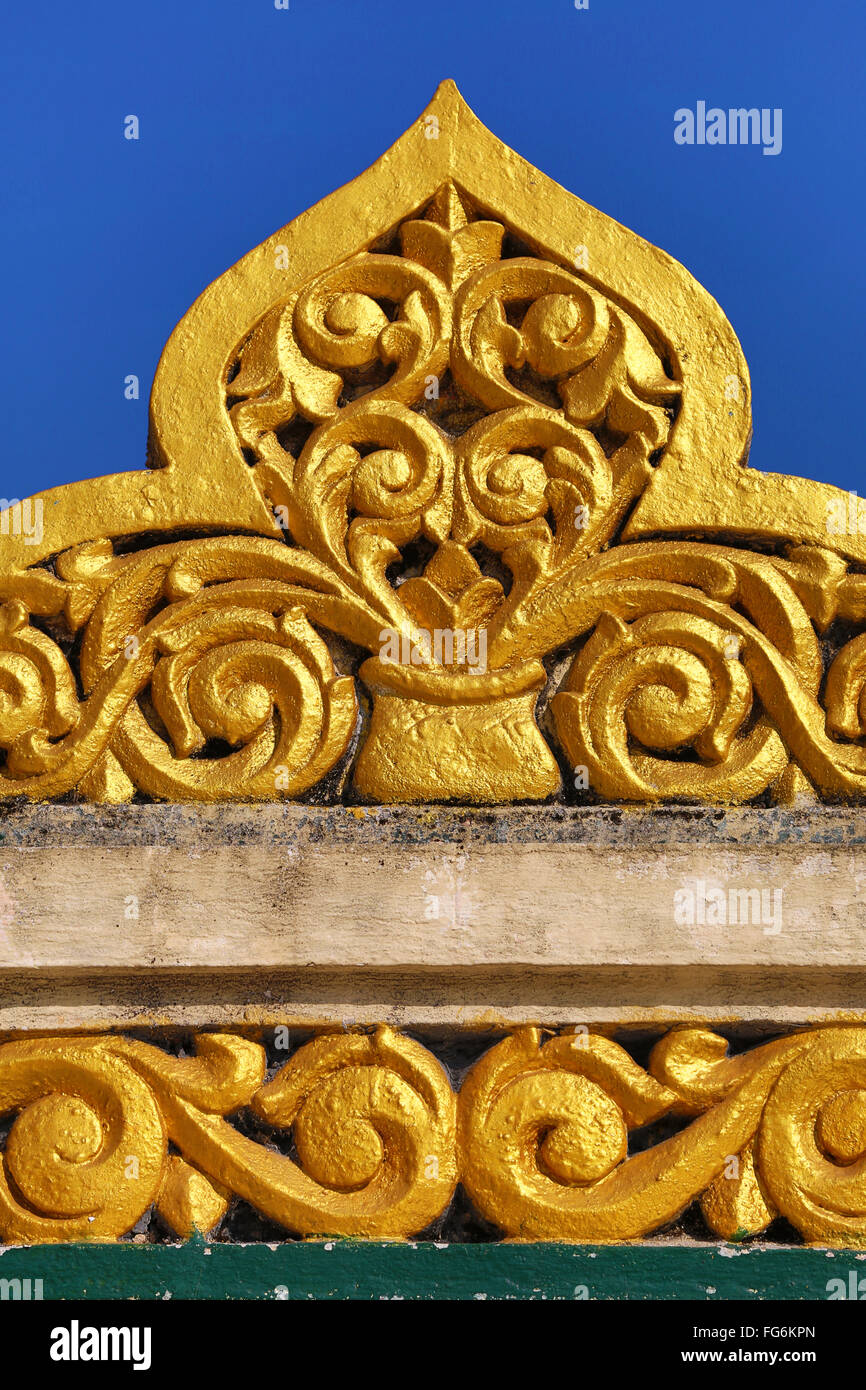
149, 914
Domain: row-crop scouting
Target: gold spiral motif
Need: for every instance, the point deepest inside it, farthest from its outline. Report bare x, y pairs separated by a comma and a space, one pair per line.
223, 658
263, 683
811, 1146
697, 648
668, 681
543, 1139
373, 1118
506, 491
339, 323
398, 481
84, 1156
564, 327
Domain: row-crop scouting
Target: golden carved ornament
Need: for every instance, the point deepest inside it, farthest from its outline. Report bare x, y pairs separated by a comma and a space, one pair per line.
538, 1136
372, 1117
455, 419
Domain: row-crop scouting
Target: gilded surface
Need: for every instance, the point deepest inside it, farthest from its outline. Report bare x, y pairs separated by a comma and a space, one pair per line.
372, 1118
538, 1135
438, 426
447, 499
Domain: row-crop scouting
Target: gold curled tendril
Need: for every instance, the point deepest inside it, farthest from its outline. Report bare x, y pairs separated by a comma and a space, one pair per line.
373, 1123
85, 1155
781, 1130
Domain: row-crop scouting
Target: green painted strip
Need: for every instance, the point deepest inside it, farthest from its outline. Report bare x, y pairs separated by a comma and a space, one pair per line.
344, 1269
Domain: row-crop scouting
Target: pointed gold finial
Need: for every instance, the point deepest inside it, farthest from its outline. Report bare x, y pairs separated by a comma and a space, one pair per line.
448, 209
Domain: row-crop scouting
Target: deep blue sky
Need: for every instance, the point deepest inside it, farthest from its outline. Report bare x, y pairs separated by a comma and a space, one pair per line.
249, 115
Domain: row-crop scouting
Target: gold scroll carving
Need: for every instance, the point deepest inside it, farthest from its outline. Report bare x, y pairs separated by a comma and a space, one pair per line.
538, 1135
423, 464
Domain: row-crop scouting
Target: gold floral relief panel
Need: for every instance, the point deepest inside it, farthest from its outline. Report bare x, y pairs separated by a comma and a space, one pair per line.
402, 537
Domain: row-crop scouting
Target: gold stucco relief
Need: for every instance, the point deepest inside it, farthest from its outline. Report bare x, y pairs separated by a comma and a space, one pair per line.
476, 430
538, 1135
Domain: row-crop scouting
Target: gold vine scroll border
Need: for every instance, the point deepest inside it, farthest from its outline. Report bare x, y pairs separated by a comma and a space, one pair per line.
692, 646
537, 1135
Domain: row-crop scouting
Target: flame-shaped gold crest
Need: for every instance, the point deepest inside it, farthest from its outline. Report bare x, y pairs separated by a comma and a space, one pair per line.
459, 441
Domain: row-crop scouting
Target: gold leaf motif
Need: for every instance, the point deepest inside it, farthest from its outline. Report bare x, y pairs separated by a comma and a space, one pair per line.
188, 1201
735, 1204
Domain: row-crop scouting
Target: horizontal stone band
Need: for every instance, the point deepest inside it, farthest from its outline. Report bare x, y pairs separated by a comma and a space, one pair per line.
430, 917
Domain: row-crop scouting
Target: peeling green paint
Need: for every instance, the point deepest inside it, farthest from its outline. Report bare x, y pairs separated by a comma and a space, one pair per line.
345, 1269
